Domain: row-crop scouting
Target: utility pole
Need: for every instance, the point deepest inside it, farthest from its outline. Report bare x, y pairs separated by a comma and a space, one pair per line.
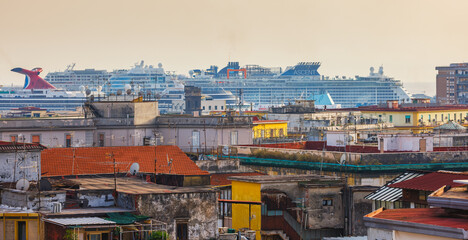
115, 178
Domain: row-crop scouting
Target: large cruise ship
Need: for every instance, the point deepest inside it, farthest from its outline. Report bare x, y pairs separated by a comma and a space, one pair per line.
266, 87
73, 80
39, 93
155, 83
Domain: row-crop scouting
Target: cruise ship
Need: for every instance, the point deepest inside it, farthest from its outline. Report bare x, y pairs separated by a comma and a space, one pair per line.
73, 80
155, 83
266, 87
37, 92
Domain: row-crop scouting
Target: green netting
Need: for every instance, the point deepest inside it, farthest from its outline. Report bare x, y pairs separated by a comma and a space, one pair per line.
125, 218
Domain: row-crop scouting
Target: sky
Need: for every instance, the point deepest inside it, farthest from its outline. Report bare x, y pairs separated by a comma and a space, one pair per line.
408, 38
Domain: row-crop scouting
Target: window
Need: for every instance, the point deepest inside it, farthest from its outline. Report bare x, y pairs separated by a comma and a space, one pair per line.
455, 117
442, 117
407, 119
222, 107
68, 140
234, 138
216, 107
435, 117
94, 236
21, 230
195, 140
36, 138
281, 133
391, 118
101, 140
209, 107
327, 202
203, 107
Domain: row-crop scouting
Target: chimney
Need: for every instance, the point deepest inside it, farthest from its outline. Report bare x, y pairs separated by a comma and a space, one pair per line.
392, 104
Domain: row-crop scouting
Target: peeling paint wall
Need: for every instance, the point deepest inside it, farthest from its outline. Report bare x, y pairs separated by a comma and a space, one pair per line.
197, 209
27, 165
329, 216
97, 199
30, 200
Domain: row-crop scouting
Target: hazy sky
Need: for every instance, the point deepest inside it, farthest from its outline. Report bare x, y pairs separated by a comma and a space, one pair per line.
409, 38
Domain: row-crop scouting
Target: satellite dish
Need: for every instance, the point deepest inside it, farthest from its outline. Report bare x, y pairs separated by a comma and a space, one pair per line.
134, 169
22, 185
159, 65
82, 88
88, 91
129, 91
119, 92
226, 150
99, 88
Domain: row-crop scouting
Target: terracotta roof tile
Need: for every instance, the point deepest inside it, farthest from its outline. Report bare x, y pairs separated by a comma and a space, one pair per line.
221, 179
97, 160
431, 181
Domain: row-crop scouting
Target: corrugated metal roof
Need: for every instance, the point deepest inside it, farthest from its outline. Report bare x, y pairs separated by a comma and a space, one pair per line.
432, 181
80, 221
450, 126
390, 194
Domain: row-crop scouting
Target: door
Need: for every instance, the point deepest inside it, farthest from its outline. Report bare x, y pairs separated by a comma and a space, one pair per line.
422, 145
195, 141
182, 231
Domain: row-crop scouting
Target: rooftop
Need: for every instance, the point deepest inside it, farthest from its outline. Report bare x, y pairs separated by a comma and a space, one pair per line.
99, 160
431, 181
17, 146
451, 197
135, 186
386, 193
221, 179
280, 178
429, 216
82, 221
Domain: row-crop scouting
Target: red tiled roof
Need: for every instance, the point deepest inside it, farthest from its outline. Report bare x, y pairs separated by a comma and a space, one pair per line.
11, 146
431, 181
431, 216
97, 160
221, 179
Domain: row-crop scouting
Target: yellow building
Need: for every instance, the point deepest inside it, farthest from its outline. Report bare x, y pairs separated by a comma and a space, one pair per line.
245, 213
20, 225
416, 118
270, 129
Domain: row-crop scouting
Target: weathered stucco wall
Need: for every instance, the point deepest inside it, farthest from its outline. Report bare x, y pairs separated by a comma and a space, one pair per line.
360, 158
26, 162
197, 209
97, 199
30, 200
320, 216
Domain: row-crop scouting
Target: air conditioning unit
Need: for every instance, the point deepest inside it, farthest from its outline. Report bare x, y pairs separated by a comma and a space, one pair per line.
56, 207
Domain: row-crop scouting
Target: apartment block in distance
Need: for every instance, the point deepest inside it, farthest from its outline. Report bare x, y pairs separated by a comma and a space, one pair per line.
452, 84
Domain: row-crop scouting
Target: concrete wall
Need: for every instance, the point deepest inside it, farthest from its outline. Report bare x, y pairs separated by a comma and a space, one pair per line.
197, 209
97, 198
28, 163
183, 137
320, 216
30, 200
53, 138
146, 113
381, 234
407, 143
340, 139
